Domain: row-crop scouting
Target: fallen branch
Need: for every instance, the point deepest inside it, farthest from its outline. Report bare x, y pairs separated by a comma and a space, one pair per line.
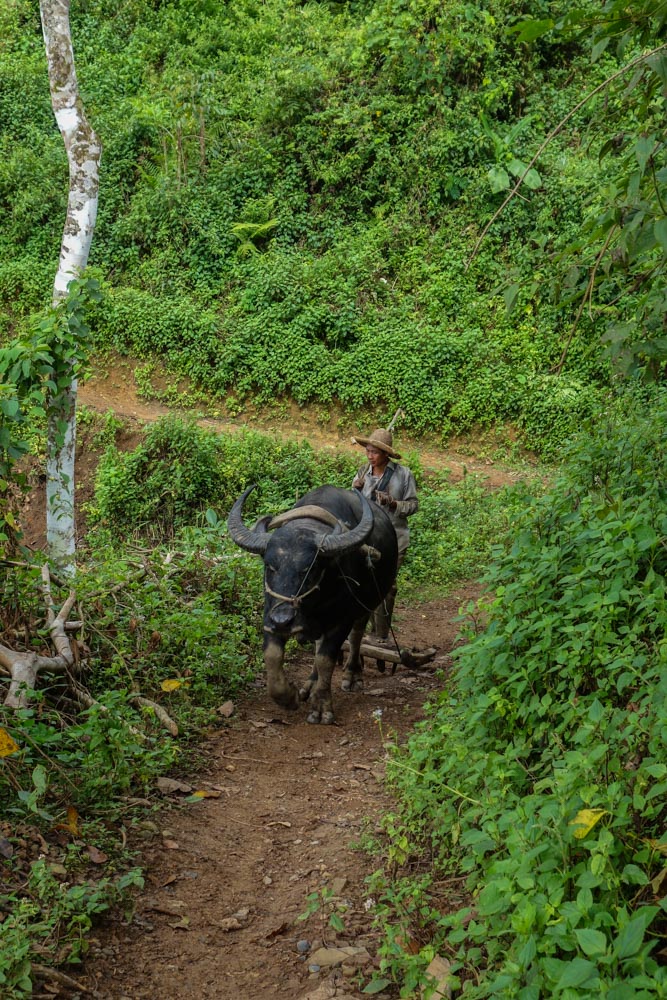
45, 974
24, 667
164, 718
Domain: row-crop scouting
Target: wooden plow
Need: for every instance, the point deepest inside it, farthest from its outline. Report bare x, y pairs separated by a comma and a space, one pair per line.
412, 658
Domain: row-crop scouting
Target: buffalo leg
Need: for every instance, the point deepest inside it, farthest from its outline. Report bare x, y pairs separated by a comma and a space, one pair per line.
319, 699
304, 691
280, 688
354, 666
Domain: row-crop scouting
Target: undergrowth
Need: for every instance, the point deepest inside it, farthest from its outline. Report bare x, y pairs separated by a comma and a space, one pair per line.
529, 843
172, 614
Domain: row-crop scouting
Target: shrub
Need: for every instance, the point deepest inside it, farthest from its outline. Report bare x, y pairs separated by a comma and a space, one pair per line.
539, 776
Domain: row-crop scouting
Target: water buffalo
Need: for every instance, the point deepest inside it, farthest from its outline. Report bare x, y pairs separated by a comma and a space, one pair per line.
328, 562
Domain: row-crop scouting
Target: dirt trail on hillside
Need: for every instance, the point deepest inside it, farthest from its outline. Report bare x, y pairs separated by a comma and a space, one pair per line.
228, 877
113, 387
288, 806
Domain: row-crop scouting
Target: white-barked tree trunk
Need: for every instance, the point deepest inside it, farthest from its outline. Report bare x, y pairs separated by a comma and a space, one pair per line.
83, 155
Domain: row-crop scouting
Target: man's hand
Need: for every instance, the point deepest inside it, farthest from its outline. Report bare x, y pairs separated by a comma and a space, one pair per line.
385, 500
358, 483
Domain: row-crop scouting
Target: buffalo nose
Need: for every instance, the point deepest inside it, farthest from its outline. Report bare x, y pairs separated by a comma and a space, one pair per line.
282, 615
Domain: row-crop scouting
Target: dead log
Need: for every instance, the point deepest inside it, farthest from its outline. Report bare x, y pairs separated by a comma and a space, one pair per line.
160, 713
23, 668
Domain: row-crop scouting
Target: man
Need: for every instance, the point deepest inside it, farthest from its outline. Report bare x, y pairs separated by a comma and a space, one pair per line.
393, 487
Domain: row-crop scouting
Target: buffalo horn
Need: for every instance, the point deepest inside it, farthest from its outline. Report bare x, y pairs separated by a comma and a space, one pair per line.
253, 541
338, 544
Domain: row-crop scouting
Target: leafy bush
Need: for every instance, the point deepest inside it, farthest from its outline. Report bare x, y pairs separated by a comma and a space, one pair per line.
540, 775
180, 469
454, 532
352, 153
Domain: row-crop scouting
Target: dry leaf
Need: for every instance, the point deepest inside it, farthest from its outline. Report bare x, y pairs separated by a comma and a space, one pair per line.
656, 845
202, 793
181, 925
172, 907
72, 825
657, 882
171, 845
7, 745
585, 820
96, 856
171, 685
440, 970
226, 709
6, 849
169, 785
278, 822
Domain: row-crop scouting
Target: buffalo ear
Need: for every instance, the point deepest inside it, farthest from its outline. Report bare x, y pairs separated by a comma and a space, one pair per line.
262, 525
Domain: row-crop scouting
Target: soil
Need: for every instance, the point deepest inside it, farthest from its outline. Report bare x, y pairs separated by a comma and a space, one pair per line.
228, 877
286, 806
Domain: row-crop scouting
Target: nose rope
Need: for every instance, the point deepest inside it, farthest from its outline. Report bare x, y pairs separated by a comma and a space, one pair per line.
294, 601
298, 597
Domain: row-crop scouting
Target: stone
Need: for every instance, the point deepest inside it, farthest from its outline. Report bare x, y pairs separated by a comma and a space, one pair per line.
440, 970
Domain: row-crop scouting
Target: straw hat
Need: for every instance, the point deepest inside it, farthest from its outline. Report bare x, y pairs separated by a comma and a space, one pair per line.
381, 439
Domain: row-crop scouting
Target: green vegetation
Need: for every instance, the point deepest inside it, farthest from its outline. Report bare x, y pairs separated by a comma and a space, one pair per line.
540, 774
291, 194
172, 614
313, 203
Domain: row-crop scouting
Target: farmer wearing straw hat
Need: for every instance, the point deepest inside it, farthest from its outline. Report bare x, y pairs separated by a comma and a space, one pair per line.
393, 487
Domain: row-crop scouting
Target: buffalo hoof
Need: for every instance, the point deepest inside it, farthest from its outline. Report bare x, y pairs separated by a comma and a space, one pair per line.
352, 683
304, 692
288, 698
318, 717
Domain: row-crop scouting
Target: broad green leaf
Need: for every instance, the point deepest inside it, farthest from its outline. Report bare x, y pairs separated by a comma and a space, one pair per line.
498, 179
528, 31
376, 986
660, 233
629, 941
590, 941
510, 295
576, 973
658, 63
532, 180
643, 149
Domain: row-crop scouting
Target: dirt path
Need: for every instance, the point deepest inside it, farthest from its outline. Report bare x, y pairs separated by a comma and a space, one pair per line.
113, 387
228, 877
288, 803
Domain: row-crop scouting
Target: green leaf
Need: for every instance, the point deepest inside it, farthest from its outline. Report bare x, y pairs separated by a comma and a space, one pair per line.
528, 31
643, 149
590, 941
510, 295
532, 180
660, 233
629, 941
578, 971
498, 179
377, 986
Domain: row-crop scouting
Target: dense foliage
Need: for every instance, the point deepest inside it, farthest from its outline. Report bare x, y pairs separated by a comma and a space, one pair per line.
172, 613
540, 776
291, 192
291, 206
